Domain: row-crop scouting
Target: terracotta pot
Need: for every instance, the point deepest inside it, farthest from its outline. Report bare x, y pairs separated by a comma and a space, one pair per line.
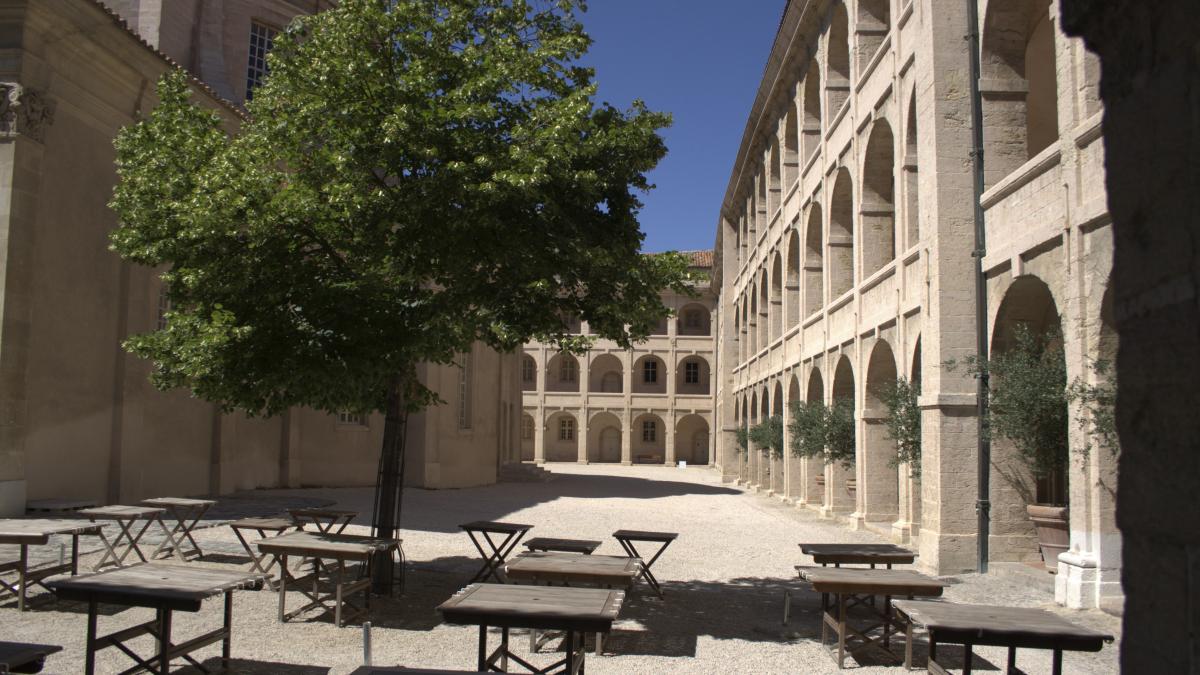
1053, 531
821, 479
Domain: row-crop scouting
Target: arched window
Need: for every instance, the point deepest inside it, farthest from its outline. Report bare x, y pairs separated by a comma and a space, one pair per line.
528, 370
566, 429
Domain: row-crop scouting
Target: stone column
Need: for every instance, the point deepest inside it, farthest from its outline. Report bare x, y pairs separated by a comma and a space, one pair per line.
877, 479
539, 436
627, 440
669, 438
581, 438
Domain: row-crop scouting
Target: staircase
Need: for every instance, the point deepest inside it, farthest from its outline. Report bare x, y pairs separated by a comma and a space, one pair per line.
523, 473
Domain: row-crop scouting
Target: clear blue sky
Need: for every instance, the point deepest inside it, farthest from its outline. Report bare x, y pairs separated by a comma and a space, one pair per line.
700, 60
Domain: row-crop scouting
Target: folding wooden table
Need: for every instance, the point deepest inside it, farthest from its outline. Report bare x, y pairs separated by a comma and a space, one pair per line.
584, 546
25, 533
262, 526
575, 611
571, 569
338, 547
493, 563
21, 657
125, 518
165, 588
850, 554
324, 519
187, 514
626, 539
851, 587
1011, 627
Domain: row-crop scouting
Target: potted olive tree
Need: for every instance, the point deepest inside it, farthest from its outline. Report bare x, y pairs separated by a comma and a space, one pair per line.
768, 435
807, 432
904, 423
839, 437
1027, 406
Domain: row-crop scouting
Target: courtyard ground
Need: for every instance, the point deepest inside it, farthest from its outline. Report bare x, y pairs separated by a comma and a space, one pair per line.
725, 579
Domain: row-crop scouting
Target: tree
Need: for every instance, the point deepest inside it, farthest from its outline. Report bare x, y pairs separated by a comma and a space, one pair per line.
742, 435
807, 429
768, 435
413, 177
839, 433
904, 422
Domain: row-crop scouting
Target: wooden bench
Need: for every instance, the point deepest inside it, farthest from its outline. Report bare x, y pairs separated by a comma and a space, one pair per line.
551, 544
23, 657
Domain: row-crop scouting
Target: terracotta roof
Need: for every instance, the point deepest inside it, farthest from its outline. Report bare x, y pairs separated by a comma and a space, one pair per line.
197, 82
699, 258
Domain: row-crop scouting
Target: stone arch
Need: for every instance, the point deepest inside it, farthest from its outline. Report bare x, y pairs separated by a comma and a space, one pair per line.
791, 296
604, 438
528, 436
877, 201
843, 381
751, 415
764, 311
837, 60
649, 375
1020, 97
776, 311
791, 147
691, 439
812, 109
912, 201
815, 391
649, 439
777, 399
814, 262
562, 373
879, 476
561, 437
841, 235
528, 373
662, 327
606, 375
1027, 302
692, 376
752, 324
914, 373
774, 178
694, 319
871, 25
761, 202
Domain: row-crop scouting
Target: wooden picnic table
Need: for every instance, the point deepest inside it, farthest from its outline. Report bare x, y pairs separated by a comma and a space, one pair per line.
166, 588
858, 554
584, 546
321, 546
37, 532
571, 569
324, 519
23, 657
1011, 627
493, 563
262, 526
187, 514
627, 537
125, 517
851, 587
575, 611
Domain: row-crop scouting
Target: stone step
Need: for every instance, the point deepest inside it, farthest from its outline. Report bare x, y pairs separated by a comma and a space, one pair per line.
524, 473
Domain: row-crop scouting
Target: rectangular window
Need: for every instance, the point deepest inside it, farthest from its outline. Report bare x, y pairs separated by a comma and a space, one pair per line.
650, 372
566, 430
164, 306
464, 390
691, 372
528, 370
352, 419
693, 319
649, 431
527, 429
262, 39
569, 370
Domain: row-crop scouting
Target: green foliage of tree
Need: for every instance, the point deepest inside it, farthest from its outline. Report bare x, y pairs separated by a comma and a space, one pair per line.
413, 177
743, 439
768, 435
806, 428
904, 422
1027, 398
839, 433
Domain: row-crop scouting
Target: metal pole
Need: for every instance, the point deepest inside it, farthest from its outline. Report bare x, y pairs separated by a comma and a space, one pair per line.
982, 503
367, 642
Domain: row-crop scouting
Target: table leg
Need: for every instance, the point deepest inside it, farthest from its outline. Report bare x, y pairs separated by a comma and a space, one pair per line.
90, 657
337, 596
841, 630
1056, 669
109, 551
227, 641
908, 645
169, 544
967, 659
133, 541
22, 577
887, 620
504, 646
283, 577
1012, 661
569, 666
164, 641
481, 663
198, 513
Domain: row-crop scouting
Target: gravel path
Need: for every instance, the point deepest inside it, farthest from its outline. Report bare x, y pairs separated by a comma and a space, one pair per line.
725, 578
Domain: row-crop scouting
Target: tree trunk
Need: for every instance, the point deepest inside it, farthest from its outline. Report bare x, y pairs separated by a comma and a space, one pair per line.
389, 488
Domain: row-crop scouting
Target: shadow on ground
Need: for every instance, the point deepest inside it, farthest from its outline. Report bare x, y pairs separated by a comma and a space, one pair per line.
250, 667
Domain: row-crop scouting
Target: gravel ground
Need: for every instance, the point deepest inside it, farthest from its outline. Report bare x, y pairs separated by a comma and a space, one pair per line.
724, 577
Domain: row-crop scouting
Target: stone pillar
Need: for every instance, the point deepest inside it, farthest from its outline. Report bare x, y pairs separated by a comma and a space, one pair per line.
669, 438
627, 440
581, 437
25, 114
539, 437
877, 478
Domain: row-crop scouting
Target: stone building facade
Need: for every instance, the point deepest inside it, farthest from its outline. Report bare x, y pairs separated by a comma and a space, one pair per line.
78, 417
844, 260
649, 405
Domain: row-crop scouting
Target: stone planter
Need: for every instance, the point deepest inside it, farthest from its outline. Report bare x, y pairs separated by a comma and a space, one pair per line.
1053, 531
851, 485
821, 479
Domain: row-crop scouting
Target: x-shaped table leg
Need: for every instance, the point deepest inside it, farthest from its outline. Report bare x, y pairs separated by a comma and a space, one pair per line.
632, 552
493, 564
186, 519
124, 528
